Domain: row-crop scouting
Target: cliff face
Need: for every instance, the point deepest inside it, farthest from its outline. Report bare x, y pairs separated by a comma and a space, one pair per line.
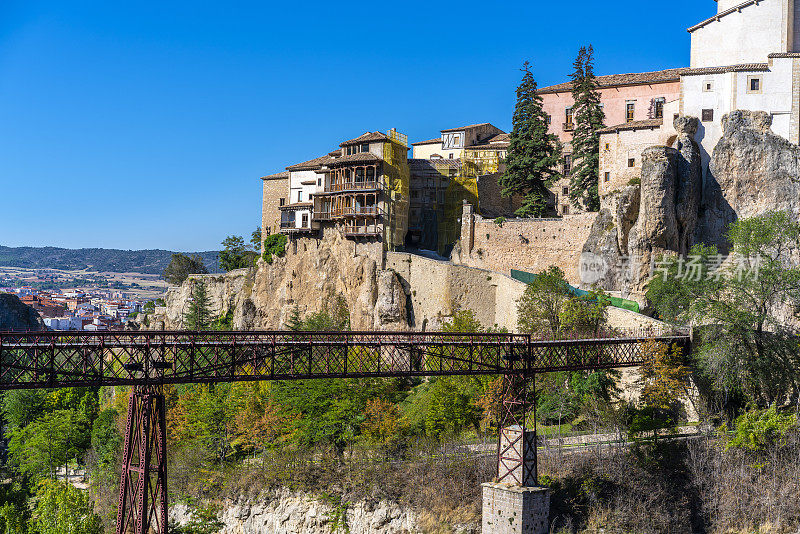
752, 171
16, 316
656, 217
287, 512
310, 276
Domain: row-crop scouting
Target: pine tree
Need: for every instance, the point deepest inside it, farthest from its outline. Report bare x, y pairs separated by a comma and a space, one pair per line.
589, 117
198, 317
295, 320
533, 154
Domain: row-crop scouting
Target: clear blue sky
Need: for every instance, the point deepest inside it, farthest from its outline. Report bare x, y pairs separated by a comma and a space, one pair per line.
147, 124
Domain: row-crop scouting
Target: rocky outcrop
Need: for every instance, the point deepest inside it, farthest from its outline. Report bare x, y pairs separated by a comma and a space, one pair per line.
15, 316
285, 512
310, 276
655, 218
752, 171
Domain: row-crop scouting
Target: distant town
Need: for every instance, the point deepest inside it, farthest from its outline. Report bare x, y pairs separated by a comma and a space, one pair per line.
82, 300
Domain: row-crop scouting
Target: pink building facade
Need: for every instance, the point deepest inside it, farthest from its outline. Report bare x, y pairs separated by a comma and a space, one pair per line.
626, 98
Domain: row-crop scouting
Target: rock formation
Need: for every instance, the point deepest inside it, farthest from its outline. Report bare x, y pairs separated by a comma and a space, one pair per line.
657, 217
752, 171
287, 512
15, 316
310, 276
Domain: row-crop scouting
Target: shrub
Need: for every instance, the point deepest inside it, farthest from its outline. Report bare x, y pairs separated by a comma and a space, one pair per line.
635, 181
274, 245
758, 430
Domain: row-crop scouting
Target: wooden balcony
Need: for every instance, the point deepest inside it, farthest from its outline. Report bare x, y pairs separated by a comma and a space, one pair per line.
368, 230
354, 186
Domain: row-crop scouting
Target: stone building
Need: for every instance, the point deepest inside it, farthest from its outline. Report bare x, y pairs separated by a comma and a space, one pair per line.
273, 196
631, 102
361, 189
462, 165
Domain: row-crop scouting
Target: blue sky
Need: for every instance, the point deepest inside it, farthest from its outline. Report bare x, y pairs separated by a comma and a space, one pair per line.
147, 124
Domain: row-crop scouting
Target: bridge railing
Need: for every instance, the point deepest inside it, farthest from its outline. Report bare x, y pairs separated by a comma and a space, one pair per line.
53, 359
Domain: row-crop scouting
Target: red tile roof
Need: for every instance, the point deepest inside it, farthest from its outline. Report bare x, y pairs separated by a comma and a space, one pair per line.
310, 164
355, 158
466, 127
617, 80
428, 142
276, 176
634, 125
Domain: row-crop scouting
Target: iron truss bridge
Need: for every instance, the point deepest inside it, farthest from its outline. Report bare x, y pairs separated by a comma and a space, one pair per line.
84, 359
148, 360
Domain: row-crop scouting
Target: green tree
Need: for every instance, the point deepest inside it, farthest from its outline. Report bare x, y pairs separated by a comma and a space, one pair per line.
236, 254
22, 407
49, 442
541, 306
255, 239
198, 316
181, 266
64, 509
589, 118
585, 315
533, 153
759, 430
106, 441
749, 344
204, 520
274, 245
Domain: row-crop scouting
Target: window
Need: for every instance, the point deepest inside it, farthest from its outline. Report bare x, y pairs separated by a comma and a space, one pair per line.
365, 147
299, 196
565, 190
564, 209
658, 108
567, 164
319, 182
568, 116
708, 115
451, 155
304, 223
549, 119
630, 108
754, 84
608, 147
281, 201
708, 86
607, 177
631, 162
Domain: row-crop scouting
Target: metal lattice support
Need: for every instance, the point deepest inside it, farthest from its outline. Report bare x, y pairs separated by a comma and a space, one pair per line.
142, 507
516, 450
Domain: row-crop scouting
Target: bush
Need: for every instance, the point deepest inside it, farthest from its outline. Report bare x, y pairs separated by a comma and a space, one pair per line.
635, 181
758, 430
274, 245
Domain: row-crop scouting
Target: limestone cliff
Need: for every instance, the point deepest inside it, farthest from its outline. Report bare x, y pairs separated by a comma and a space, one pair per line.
310, 276
16, 316
752, 171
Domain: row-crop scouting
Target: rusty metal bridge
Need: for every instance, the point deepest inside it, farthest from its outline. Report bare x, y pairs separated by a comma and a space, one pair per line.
148, 360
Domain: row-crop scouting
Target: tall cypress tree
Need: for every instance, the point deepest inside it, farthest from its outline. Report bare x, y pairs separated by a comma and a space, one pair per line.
533, 153
198, 316
589, 118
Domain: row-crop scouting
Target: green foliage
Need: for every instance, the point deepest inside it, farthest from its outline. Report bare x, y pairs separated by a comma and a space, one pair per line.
589, 117
255, 239
12, 519
49, 442
584, 315
533, 154
635, 181
106, 441
758, 430
22, 407
209, 416
543, 302
748, 347
274, 245
236, 254
181, 266
198, 316
149, 307
499, 221
63, 509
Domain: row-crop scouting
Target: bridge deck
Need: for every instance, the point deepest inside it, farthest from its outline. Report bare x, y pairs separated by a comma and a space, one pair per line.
58, 359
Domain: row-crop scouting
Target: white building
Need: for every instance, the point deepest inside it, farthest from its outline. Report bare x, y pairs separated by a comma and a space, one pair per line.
745, 57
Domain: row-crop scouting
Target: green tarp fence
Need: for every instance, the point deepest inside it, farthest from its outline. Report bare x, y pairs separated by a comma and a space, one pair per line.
617, 302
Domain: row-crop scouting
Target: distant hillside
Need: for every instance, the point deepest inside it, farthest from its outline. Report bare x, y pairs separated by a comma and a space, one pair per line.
96, 259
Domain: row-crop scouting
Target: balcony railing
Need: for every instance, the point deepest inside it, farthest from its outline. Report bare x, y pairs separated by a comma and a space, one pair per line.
354, 186
367, 211
569, 126
289, 227
359, 230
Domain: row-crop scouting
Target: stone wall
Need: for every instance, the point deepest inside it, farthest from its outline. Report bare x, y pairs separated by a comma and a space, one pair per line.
530, 245
273, 190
